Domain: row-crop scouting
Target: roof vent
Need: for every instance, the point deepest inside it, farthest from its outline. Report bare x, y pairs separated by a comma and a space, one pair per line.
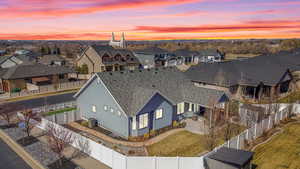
153, 85
148, 69
155, 72
121, 72
110, 73
131, 71
140, 70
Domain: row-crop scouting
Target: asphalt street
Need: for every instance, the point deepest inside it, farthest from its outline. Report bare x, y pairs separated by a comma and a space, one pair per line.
9, 159
39, 102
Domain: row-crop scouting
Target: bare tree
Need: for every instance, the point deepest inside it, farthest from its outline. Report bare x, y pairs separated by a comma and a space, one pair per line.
58, 138
29, 118
7, 112
211, 138
228, 131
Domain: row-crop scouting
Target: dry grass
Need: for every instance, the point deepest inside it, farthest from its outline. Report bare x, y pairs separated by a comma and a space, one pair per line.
183, 143
232, 56
281, 152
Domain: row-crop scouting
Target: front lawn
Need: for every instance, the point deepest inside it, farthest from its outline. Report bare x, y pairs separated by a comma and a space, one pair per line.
183, 143
282, 151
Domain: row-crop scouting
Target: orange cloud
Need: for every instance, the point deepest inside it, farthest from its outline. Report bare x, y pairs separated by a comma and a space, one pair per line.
247, 26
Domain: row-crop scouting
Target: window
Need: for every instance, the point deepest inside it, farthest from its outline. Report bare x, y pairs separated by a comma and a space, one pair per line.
105, 108
133, 123
143, 121
190, 107
61, 76
119, 113
180, 108
158, 113
111, 110
94, 109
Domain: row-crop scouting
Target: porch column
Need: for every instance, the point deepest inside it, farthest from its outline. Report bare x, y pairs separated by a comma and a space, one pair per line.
254, 93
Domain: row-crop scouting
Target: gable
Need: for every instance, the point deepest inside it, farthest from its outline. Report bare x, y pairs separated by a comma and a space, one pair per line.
8, 63
94, 92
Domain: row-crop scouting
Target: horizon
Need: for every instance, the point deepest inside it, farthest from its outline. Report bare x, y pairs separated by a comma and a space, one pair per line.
149, 20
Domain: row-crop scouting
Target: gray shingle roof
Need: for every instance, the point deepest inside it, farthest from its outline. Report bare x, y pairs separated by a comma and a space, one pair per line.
48, 59
267, 69
232, 156
152, 50
34, 70
133, 89
185, 53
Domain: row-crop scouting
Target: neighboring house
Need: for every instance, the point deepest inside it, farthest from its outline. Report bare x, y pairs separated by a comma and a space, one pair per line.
13, 60
106, 58
52, 60
262, 77
162, 57
229, 158
26, 77
146, 59
187, 56
133, 103
211, 56
2, 52
22, 52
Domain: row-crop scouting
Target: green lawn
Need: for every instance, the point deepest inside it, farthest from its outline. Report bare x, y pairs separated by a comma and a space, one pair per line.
183, 143
60, 111
282, 151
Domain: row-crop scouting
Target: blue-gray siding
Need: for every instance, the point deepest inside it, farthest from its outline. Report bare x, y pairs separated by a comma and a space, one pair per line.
156, 102
97, 95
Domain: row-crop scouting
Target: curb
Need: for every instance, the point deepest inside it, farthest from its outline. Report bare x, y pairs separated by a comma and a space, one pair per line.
20, 151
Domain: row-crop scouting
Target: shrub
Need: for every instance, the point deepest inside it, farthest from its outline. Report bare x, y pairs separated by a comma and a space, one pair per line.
182, 125
152, 133
175, 124
85, 123
146, 136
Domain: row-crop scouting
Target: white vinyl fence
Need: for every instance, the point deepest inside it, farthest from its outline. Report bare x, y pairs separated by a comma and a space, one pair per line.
53, 107
49, 89
116, 160
65, 117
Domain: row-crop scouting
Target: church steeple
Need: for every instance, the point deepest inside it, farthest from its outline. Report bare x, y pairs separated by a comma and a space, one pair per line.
112, 37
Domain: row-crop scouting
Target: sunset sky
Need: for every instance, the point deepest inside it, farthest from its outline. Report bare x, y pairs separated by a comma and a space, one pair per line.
149, 19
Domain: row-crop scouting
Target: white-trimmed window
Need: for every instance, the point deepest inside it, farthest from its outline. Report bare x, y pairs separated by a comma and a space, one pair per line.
134, 123
180, 108
190, 107
94, 109
143, 121
111, 110
105, 108
119, 113
158, 113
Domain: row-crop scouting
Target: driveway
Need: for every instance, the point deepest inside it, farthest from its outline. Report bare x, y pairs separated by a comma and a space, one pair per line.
9, 159
49, 100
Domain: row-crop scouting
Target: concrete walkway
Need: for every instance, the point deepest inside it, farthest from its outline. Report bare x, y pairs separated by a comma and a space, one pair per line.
197, 127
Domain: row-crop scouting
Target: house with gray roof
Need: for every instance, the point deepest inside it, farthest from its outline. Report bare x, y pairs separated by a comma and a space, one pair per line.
13, 60
132, 103
52, 60
210, 56
27, 76
264, 76
106, 58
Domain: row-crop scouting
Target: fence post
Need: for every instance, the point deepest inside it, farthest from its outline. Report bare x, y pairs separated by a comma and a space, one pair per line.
228, 143
178, 163
275, 118
156, 164
280, 115
255, 128
247, 134
269, 122
238, 142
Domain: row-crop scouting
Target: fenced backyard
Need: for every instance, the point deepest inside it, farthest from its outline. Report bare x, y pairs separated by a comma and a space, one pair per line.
116, 160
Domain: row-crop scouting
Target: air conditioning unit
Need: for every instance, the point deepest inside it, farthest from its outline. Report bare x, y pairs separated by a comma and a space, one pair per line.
92, 123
